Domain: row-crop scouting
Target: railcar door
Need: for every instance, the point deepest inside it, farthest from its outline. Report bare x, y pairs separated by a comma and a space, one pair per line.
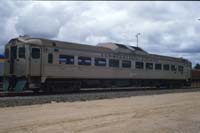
35, 61
13, 58
21, 61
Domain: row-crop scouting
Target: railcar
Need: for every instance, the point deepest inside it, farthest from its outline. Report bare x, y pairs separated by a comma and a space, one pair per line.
50, 65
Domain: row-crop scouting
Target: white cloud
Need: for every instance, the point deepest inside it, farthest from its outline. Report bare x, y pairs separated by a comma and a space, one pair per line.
168, 28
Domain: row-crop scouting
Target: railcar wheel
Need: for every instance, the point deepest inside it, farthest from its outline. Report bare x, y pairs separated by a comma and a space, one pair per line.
36, 91
158, 86
47, 88
76, 86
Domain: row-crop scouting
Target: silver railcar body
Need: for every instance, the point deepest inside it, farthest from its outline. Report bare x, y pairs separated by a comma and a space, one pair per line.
33, 62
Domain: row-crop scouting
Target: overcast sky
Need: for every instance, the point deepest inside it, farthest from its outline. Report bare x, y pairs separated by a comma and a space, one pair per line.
167, 28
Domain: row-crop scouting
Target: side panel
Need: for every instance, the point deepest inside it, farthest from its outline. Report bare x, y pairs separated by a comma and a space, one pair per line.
75, 71
7, 61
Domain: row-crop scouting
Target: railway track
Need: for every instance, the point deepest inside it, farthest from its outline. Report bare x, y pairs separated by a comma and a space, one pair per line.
83, 90
83, 95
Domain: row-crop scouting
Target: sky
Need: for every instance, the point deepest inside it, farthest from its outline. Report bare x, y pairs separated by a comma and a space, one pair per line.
167, 28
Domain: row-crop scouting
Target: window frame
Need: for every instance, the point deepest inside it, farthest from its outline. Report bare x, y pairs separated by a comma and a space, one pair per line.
96, 61
13, 52
156, 66
164, 67
126, 64
84, 59
173, 68
147, 67
182, 68
67, 59
140, 63
33, 56
114, 63
24, 52
50, 61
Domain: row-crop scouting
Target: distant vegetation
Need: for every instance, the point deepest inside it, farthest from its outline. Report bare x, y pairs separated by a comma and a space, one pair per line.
197, 66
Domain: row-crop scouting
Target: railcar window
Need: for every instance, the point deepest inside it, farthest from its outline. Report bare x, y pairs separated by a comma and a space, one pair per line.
180, 68
126, 64
35, 53
100, 62
139, 65
50, 58
173, 68
158, 67
113, 63
14, 52
166, 67
7, 53
84, 60
66, 59
21, 52
149, 66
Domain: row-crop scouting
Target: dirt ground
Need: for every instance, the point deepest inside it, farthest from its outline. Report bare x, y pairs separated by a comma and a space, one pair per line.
178, 112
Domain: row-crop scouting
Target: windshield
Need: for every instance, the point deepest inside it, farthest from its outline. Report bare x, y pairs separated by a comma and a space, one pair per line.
21, 52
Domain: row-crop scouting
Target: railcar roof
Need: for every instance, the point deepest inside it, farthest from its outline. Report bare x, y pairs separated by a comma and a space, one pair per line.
62, 44
101, 47
123, 48
169, 57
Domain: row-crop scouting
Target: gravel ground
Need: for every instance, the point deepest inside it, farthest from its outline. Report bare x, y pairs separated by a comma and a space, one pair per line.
83, 96
167, 113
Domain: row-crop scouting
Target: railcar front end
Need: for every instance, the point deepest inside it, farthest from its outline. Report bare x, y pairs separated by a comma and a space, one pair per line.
19, 65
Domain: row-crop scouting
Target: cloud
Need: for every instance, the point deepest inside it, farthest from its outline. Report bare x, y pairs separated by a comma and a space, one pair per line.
38, 20
168, 28
6, 14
